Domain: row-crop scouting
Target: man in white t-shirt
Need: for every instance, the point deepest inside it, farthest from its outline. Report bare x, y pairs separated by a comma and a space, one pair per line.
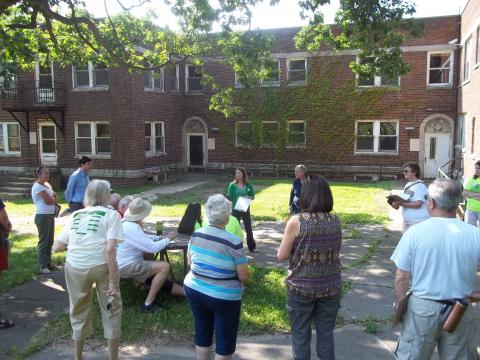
414, 209
440, 257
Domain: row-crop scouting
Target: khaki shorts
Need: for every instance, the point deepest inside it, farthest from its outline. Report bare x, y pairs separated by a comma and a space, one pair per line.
139, 271
80, 292
422, 331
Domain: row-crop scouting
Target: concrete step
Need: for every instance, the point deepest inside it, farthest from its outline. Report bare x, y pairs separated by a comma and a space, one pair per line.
15, 188
24, 183
13, 195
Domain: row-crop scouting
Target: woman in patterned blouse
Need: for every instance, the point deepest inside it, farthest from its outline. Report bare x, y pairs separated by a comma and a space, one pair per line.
312, 242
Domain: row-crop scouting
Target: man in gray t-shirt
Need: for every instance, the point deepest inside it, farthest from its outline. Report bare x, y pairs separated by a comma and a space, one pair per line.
440, 257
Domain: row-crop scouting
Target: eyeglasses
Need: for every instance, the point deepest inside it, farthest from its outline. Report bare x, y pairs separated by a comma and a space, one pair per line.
405, 170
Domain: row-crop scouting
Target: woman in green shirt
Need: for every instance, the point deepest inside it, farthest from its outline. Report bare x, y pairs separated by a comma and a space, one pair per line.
472, 193
241, 187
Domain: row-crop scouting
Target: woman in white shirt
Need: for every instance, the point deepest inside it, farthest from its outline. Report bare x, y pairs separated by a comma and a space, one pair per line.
90, 238
414, 209
45, 200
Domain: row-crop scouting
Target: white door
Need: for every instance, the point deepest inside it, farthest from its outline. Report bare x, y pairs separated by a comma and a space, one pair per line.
437, 153
48, 144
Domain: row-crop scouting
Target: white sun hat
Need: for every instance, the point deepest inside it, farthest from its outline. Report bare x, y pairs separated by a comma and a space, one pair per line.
137, 210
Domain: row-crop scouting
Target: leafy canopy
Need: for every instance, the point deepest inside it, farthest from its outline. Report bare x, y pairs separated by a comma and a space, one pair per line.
65, 32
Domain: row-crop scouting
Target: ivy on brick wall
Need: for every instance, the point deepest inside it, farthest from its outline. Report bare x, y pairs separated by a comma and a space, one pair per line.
328, 104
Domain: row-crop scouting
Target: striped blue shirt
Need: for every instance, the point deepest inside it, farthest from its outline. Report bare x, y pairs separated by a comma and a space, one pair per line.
215, 255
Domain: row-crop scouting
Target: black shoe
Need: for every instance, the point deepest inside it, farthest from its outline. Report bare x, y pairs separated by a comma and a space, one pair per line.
152, 307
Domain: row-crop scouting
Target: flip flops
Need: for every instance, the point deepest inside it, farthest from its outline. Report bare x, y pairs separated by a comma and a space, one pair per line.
5, 324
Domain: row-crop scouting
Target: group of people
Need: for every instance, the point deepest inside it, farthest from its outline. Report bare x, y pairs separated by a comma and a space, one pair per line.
437, 256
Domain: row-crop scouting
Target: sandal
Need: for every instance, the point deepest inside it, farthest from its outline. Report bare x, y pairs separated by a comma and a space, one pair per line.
5, 324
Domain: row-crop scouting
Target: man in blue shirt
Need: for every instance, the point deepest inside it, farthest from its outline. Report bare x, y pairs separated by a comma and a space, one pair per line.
77, 184
439, 257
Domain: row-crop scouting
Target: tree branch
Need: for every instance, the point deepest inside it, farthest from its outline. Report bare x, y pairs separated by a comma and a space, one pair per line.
128, 8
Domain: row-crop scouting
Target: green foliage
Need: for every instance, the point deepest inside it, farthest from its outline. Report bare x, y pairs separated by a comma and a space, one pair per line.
371, 325
327, 103
377, 28
64, 31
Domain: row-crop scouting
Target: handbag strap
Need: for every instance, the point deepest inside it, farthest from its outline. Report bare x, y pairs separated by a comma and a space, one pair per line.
415, 183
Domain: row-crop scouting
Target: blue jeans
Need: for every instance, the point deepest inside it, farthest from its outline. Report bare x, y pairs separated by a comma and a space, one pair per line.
210, 313
302, 311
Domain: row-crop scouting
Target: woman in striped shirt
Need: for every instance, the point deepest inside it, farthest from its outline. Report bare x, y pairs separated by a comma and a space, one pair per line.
214, 286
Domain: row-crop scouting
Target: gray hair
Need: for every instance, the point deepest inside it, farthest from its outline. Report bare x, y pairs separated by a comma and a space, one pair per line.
446, 194
97, 193
218, 209
115, 200
124, 202
301, 167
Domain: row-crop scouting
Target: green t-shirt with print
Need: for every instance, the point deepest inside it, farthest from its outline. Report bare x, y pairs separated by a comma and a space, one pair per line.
474, 186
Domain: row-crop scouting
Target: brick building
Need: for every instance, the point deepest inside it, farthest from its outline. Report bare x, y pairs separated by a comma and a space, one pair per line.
138, 125
468, 101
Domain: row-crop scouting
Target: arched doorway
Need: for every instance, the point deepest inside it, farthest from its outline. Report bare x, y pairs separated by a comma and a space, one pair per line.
437, 134
195, 143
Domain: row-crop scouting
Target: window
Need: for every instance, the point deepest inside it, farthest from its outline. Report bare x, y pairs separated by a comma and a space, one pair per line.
440, 69
376, 136
467, 56
460, 138
243, 133
174, 78
477, 56
44, 75
377, 80
272, 74
153, 80
9, 139
8, 82
194, 79
154, 138
297, 71
269, 133
296, 133
93, 138
472, 147
90, 76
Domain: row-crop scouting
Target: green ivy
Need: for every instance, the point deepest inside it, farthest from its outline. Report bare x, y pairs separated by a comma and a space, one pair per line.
328, 105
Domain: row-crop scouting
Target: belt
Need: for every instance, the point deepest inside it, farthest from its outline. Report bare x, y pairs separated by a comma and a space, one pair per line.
445, 302
214, 278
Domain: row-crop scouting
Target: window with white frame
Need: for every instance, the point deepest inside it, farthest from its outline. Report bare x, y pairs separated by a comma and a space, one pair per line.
90, 75
376, 136
93, 138
44, 75
376, 80
296, 133
467, 59
243, 133
460, 138
440, 68
272, 76
9, 138
269, 133
154, 138
297, 71
153, 80
193, 79
477, 57
173, 72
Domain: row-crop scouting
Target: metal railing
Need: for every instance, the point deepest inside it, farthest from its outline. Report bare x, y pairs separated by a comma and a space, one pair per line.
26, 96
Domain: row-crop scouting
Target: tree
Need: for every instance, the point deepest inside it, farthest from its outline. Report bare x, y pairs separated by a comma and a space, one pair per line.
64, 32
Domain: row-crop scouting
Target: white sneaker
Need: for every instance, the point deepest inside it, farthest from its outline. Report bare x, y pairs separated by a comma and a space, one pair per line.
45, 270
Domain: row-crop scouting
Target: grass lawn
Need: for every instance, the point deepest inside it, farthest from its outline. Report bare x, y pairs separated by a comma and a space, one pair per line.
263, 308
361, 203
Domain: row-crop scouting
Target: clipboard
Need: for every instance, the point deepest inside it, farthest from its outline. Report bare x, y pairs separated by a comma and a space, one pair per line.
57, 210
401, 309
243, 203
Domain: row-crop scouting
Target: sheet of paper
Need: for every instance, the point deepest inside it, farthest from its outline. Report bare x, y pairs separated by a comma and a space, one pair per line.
243, 203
